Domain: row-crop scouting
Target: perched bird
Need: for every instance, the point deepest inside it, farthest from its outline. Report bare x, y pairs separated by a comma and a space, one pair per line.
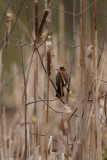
61, 81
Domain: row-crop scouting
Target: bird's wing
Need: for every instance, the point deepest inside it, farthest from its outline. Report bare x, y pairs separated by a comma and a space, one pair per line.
64, 77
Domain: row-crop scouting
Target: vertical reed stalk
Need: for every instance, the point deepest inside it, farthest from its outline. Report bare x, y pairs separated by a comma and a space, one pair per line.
61, 35
83, 88
93, 139
4, 132
35, 107
73, 48
36, 41
105, 108
48, 54
35, 91
1, 67
95, 90
47, 117
8, 27
10, 143
72, 53
36, 17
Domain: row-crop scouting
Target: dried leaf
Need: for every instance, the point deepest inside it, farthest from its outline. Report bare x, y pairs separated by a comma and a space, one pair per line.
34, 118
70, 94
43, 36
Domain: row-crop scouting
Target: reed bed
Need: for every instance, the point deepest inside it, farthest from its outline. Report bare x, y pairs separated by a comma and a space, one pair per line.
46, 127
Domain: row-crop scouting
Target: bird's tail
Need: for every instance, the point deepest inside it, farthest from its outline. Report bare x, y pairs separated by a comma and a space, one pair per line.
59, 92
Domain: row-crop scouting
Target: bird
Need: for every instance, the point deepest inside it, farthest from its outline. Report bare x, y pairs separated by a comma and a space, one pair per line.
61, 81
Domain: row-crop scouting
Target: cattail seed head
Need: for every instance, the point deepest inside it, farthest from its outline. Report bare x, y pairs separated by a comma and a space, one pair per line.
48, 44
36, 17
48, 52
43, 23
8, 26
49, 17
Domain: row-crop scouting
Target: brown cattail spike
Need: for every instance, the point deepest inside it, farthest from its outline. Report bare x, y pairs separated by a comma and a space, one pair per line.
48, 1
48, 52
49, 17
8, 27
47, 4
36, 17
42, 23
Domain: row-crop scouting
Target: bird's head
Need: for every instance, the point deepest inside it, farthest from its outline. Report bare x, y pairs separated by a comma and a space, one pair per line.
62, 69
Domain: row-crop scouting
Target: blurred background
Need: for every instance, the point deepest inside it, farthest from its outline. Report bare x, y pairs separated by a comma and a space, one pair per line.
65, 33
62, 34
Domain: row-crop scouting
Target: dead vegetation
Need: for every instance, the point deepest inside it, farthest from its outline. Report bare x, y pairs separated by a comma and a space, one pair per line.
42, 126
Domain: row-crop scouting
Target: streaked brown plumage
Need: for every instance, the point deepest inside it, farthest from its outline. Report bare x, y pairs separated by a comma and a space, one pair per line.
61, 81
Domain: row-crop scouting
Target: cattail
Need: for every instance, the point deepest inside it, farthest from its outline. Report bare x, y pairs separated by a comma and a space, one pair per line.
48, 19
8, 27
42, 23
47, 4
48, 52
49, 1
36, 17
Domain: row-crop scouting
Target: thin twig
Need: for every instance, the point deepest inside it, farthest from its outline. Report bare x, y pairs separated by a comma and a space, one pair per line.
78, 14
51, 107
99, 97
43, 135
89, 94
72, 114
61, 10
28, 24
51, 100
71, 13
